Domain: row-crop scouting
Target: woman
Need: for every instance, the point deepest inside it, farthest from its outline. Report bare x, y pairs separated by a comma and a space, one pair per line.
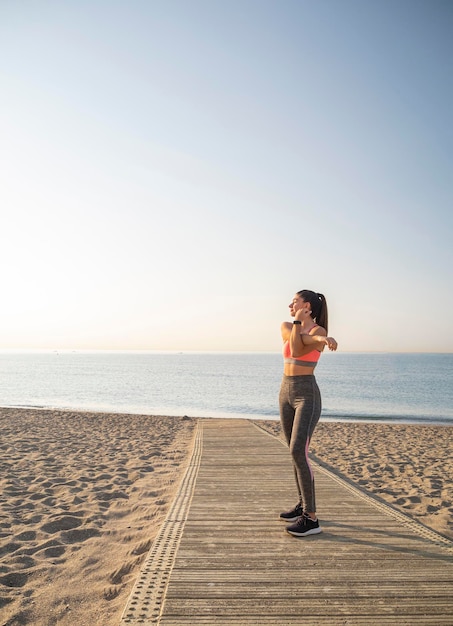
300, 401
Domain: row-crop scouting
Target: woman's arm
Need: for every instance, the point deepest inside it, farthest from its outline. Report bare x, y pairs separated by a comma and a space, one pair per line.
286, 329
307, 342
310, 340
301, 345
302, 350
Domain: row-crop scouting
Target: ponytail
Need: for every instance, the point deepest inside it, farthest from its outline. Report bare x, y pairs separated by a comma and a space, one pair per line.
318, 306
323, 317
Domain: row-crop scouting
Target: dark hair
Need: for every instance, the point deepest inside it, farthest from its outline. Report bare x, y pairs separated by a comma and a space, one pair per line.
318, 306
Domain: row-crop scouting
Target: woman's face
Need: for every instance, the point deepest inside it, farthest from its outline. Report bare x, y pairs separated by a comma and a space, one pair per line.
296, 304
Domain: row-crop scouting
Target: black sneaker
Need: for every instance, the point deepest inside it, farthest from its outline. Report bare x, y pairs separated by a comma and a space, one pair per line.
293, 515
304, 526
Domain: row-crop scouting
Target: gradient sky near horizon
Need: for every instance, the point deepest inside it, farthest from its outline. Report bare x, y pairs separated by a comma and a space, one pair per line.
174, 171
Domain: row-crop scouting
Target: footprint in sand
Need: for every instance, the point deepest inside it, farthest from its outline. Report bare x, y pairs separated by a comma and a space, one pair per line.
79, 535
117, 576
409, 502
50, 501
111, 495
27, 535
34, 519
9, 548
22, 562
104, 477
14, 579
111, 592
142, 547
54, 552
41, 547
38, 496
65, 522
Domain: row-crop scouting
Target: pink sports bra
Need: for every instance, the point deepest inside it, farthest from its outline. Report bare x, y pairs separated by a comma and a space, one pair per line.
310, 360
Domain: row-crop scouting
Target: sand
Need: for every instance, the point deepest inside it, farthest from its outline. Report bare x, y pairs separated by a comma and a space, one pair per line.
82, 498
83, 495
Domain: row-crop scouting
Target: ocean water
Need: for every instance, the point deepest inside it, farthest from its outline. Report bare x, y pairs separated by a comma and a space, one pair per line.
357, 386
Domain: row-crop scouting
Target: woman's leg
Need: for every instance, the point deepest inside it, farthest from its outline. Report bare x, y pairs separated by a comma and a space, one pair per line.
287, 413
307, 402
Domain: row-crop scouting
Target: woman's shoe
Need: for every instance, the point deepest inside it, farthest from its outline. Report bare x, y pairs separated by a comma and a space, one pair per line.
304, 526
293, 515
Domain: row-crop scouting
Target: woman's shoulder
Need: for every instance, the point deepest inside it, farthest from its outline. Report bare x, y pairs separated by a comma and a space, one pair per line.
318, 330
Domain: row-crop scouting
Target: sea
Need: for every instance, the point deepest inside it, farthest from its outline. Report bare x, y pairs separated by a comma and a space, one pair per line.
354, 386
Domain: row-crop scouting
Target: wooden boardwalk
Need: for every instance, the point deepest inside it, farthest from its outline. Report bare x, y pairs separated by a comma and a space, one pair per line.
223, 557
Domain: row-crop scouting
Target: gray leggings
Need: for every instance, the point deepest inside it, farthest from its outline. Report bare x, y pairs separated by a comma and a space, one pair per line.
300, 410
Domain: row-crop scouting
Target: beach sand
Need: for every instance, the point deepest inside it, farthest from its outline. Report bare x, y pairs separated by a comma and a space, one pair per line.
83, 495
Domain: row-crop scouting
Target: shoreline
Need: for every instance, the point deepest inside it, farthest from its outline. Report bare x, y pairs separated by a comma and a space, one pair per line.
373, 419
85, 493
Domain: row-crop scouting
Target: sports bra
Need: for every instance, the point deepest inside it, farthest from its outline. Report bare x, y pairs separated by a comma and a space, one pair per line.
310, 360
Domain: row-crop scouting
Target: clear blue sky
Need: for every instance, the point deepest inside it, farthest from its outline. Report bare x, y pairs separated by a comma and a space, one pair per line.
173, 171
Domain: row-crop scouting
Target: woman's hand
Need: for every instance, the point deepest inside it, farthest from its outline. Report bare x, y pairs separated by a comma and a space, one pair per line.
331, 343
301, 315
